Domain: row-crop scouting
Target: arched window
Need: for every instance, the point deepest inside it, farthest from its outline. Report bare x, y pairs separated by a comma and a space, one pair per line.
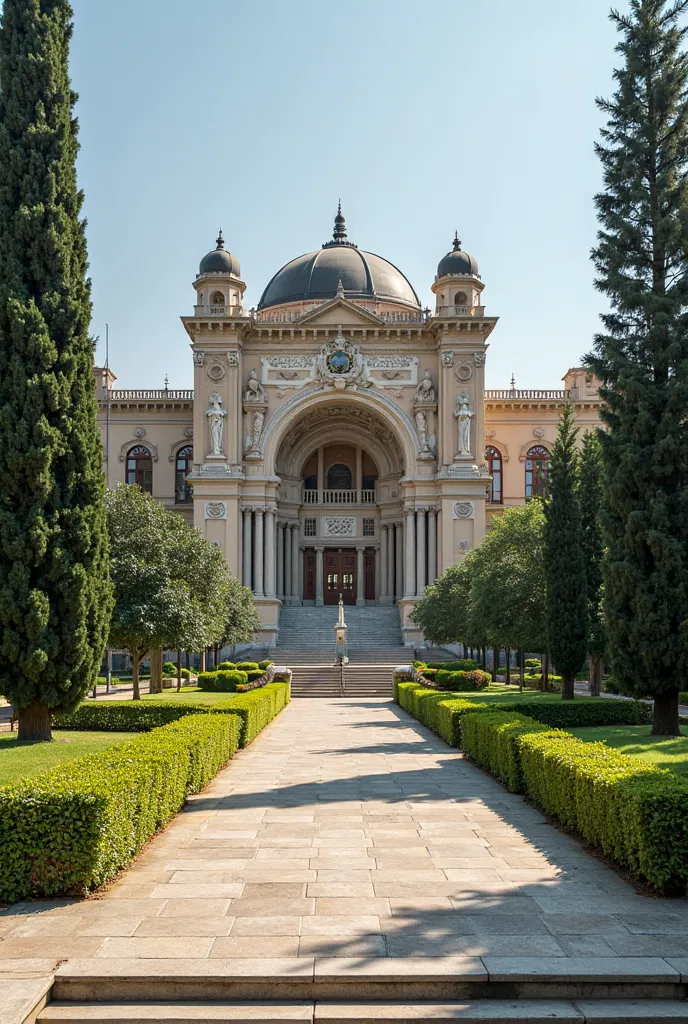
493, 457
182, 490
339, 477
218, 299
460, 299
537, 472
140, 467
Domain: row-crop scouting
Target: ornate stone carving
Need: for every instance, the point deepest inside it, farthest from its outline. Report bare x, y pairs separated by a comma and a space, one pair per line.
187, 431
539, 432
199, 357
463, 545
339, 526
425, 392
463, 372
463, 416
463, 510
215, 510
216, 423
253, 449
254, 393
140, 432
233, 358
216, 371
447, 359
479, 358
340, 365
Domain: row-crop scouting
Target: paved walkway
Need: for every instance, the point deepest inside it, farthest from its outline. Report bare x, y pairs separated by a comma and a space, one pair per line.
349, 832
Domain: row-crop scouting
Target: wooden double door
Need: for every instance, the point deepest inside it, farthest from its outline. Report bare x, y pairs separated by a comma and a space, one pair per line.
340, 576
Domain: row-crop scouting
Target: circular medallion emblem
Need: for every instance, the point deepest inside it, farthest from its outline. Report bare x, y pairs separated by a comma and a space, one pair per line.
339, 362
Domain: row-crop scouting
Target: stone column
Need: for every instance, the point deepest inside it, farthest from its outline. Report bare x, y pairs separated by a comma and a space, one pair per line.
378, 581
248, 545
258, 555
358, 481
399, 539
321, 470
269, 552
390, 563
383, 564
319, 584
410, 575
432, 545
280, 561
421, 565
360, 580
295, 580
287, 563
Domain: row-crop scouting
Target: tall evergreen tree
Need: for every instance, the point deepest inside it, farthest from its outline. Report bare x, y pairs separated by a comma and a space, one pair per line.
591, 497
567, 597
641, 356
55, 593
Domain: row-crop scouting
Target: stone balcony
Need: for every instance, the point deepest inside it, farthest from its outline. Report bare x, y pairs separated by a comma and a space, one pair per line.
348, 498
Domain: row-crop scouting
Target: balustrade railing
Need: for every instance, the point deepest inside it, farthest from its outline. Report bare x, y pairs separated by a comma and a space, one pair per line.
516, 393
337, 497
153, 395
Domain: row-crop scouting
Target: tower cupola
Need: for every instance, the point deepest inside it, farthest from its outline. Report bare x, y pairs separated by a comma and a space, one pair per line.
457, 285
218, 283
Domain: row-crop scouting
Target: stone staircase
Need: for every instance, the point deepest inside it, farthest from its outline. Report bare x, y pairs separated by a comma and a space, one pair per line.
314, 627
350, 681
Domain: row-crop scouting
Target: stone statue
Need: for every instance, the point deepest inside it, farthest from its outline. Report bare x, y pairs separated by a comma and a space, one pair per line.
422, 429
425, 392
216, 420
253, 446
464, 416
254, 393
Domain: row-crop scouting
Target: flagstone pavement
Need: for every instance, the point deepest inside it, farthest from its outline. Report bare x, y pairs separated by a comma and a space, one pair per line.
346, 833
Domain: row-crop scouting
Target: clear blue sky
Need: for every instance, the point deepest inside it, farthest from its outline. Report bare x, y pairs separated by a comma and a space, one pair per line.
423, 117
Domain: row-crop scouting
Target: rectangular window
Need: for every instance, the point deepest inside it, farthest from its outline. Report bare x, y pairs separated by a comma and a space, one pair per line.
309, 528
368, 527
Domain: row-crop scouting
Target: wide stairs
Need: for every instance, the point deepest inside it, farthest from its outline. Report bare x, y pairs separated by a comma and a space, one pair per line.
313, 628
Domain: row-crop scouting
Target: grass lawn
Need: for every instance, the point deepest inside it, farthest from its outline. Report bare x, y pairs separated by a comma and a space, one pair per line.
665, 752
189, 693
19, 760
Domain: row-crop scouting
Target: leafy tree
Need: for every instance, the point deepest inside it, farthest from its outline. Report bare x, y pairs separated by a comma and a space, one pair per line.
641, 356
508, 580
444, 611
55, 593
591, 498
241, 618
567, 594
171, 585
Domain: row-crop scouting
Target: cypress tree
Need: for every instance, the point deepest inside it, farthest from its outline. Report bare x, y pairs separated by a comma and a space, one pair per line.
55, 595
641, 355
591, 498
567, 598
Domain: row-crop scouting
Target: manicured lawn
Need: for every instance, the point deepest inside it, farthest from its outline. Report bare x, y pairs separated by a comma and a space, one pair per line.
635, 740
19, 760
188, 693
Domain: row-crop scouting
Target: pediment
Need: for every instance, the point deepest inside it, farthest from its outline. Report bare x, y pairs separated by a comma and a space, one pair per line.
341, 311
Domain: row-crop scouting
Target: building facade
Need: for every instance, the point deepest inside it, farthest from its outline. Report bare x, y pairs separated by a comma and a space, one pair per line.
339, 438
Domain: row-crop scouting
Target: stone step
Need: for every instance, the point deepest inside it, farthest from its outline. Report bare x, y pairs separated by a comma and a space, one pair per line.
499, 1011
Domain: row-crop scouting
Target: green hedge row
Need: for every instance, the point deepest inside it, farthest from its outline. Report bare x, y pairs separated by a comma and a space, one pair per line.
463, 679
72, 828
634, 812
223, 680
254, 709
442, 712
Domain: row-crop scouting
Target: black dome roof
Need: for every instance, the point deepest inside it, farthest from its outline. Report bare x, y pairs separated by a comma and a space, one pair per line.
457, 261
316, 275
219, 261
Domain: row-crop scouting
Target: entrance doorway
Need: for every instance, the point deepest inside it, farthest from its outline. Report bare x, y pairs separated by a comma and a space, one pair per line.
340, 577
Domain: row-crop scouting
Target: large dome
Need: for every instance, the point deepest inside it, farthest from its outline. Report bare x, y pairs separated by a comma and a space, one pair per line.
316, 275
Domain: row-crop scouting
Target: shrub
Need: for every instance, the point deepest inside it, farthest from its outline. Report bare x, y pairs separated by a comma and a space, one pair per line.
226, 665
463, 680
430, 673
265, 664
206, 681
73, 827
255, 710
186, 673
254, 673
462, 665
227, 681
169, 668
492, 740
533, 666
585, 711
247, 666
448, 715
634, 812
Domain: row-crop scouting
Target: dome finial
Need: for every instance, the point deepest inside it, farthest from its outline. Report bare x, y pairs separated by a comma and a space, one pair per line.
220, 242
339, 234
457, 242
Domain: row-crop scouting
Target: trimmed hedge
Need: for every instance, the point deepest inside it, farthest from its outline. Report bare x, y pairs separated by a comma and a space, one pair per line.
221, 680
247, 666
492, 741
466, 680
70, 829
254, 709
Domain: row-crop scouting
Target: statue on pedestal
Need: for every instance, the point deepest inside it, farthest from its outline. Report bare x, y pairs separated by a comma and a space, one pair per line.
216, 421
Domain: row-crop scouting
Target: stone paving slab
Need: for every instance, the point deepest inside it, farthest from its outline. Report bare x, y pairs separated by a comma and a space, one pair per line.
348, 840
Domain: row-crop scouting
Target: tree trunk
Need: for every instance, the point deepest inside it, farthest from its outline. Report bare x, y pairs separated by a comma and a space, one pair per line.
521, 669
508, 665
135, 663
567, 687
596, 669
203, 663
545, 670
664, 723
187, 660
155, 670
35, 722
179, 670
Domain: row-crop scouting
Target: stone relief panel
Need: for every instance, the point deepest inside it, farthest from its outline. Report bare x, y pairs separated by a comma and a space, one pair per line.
215, 510
463, 510
339, 526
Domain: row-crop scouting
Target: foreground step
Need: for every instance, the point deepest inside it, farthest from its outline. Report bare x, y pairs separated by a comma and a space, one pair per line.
496, 1010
